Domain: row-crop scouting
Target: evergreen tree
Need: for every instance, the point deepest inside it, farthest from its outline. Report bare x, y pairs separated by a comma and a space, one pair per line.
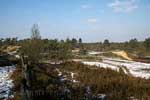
147, 43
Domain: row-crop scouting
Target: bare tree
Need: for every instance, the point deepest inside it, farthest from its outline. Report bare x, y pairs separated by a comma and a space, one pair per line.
35, 32
33, 47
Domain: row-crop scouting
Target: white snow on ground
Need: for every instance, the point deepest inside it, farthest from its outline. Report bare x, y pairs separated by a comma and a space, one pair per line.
64, 77
100, 64
116, 59
101, 96
73, 77
59, 72
134, 68
94, 53
5, 82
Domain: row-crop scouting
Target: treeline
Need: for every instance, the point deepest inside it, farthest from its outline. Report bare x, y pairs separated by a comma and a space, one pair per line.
44, 46
37, 49
8, 41
132, 46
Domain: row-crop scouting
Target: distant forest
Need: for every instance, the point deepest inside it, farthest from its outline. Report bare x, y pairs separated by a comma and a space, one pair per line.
140, 48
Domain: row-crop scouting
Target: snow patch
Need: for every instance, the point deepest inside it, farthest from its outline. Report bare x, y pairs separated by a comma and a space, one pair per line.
6, 83
132, 67
101, 64
94, 53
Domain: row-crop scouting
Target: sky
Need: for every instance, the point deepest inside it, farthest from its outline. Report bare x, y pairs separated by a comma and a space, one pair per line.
91, 20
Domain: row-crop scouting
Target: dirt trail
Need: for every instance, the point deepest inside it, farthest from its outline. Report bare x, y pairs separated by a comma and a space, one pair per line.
122, 54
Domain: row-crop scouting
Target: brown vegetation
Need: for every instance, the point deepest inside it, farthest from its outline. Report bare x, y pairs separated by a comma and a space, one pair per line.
115, 84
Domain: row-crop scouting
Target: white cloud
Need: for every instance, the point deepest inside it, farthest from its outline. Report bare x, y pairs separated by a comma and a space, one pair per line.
124, 6
86, 6
92, 20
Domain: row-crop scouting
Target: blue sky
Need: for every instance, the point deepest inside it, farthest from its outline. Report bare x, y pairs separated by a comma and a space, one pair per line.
92, 20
